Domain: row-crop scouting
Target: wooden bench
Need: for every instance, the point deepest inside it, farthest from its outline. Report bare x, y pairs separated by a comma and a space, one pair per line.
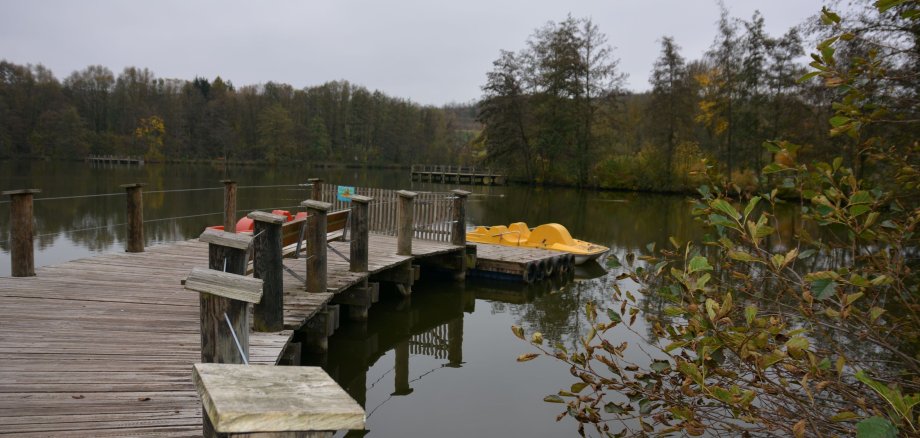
293, 234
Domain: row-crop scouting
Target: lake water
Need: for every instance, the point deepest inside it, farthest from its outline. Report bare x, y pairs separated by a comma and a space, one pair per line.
441, 363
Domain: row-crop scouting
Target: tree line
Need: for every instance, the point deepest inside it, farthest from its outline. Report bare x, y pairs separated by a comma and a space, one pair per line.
555, 111
94, 111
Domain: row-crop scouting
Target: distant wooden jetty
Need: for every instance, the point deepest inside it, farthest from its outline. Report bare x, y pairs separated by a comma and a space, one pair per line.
114, 159
456, 175
104, 346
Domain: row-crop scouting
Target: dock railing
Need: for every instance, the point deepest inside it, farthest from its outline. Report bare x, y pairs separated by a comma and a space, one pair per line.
433, 212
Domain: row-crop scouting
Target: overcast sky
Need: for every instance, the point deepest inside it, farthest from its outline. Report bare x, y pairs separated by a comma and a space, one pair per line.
432, 52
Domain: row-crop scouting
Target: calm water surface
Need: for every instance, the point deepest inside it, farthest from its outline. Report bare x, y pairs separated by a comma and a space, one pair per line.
441, 363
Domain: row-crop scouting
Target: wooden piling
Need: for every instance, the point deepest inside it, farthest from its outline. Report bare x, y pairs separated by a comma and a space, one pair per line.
268, 313
317, 184
458, 219
217, 346
359, 233
135, 212
405, 222
458, 229
22, 251
316, 244
229, 205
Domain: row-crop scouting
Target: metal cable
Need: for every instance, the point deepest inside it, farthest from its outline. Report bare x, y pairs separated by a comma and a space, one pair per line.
304, 186
267, 208
183, 190
78, 196
183, 217
235, 339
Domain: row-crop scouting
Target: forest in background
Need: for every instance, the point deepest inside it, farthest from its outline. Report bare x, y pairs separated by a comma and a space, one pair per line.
553, 112
93, 111
562, 93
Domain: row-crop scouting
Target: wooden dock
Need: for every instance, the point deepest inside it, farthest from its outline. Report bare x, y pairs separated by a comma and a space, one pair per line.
113, 159
104, 346
456, 175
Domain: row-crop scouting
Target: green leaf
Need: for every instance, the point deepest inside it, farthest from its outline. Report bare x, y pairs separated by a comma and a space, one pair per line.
771, 358
645, 406
698, 263
718, 219
553, 398
578, 387
808, 76
613, 408
660, 366
750, 206
796, 345
750, 312
861, 197
823, 288
723, 206
876, 427
613, 262
875, 312
614, 316
857, 210
843, 416
741, 256
902, 404
838, 121
690, 370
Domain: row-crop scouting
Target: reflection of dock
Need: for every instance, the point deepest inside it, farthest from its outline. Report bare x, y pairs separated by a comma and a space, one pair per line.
456, 175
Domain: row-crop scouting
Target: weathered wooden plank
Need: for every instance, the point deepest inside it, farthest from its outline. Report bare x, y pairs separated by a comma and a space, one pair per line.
241, 399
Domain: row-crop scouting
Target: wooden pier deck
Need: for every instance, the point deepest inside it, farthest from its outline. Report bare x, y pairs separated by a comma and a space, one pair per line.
104, 346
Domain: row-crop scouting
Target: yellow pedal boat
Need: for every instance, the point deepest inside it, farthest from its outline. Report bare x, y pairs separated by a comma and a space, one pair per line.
547, 236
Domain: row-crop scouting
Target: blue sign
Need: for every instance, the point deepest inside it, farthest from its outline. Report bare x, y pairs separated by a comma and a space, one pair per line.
345, 193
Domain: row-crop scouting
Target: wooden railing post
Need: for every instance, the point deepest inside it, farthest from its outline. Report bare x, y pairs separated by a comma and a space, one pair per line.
135, 204
359, 233
317, 188
231, 291
316, 244
229, 205
22, 251
227, 252
268, 314
405, 222
458, 221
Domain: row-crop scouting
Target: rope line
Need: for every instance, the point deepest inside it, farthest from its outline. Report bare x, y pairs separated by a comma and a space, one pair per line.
56, 198
183, 190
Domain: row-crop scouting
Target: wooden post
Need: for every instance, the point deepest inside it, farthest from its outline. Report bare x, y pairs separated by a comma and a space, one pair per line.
268, 314
135, 235
316, 244
317, 188
229, 205
404, 231
217, 346
458, 230
22, 252
359, 233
